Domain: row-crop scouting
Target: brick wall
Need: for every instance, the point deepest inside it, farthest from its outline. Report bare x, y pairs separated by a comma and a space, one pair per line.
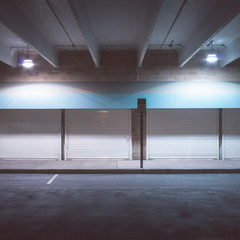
120, 66
162, 66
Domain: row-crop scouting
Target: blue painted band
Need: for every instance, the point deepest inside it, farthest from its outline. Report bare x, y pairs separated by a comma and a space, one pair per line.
95, 95
115, 101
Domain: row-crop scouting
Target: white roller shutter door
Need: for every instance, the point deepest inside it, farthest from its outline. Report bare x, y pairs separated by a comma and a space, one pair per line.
231, 133
29, 134
182, 133
98, 133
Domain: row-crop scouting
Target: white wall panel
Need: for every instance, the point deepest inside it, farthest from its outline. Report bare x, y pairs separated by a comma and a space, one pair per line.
182, 133
98, 133
29, 134
231, 133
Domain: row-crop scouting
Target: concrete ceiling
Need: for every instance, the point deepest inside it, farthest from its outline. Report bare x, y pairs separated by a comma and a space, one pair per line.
49, 25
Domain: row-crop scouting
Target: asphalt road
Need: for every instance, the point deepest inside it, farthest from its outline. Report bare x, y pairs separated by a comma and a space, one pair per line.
126, 207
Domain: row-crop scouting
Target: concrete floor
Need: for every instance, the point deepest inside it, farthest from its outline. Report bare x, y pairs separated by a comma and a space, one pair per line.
120, 207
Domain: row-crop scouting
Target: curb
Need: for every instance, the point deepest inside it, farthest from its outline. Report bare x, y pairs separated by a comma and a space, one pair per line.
117, 171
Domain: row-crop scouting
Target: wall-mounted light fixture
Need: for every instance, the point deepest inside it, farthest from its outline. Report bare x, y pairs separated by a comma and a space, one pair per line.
27, 62
212, 57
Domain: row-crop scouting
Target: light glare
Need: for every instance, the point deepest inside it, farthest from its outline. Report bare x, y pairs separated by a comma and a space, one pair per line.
212, 58
28, 63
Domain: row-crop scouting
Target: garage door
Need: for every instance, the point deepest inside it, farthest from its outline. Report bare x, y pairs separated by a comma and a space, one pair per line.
29, 134
183, 133
98, 134
231, 133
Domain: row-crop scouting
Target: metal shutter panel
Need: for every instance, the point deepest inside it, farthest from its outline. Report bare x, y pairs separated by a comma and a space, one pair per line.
182, 133
98, 133
29, 134
231, 131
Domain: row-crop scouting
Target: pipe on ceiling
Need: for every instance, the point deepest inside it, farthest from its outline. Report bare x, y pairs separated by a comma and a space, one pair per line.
176, 18
59, 21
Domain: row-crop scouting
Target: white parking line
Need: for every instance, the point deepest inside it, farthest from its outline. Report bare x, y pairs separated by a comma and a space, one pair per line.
52, 179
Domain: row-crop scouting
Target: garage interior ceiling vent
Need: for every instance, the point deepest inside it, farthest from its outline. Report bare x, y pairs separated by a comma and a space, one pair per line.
27, 62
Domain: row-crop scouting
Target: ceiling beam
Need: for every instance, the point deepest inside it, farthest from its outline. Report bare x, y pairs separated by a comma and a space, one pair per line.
8, 55
147, 28
230, 53
221, 15
12, 17
80, 12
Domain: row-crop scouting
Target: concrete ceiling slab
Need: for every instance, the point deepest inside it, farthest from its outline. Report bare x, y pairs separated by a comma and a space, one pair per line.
119, 24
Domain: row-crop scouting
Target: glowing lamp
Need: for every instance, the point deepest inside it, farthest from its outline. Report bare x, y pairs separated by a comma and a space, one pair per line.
212, 58
28, 63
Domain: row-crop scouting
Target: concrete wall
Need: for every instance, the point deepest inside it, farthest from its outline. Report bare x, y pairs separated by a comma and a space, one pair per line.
77, 83
121, 66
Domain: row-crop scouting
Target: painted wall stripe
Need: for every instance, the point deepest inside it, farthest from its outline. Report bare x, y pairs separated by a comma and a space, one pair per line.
158, 95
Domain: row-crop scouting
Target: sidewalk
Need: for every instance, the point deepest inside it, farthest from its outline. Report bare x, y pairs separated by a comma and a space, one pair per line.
119, 166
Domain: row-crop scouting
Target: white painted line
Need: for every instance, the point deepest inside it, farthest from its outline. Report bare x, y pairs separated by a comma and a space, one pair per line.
52, 179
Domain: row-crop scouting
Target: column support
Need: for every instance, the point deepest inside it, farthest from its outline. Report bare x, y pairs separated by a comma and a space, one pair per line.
220, 134
63, 154
136, 135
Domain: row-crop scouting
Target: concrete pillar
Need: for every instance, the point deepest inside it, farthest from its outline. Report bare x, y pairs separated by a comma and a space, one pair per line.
63, 154
220, 134
136, 135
